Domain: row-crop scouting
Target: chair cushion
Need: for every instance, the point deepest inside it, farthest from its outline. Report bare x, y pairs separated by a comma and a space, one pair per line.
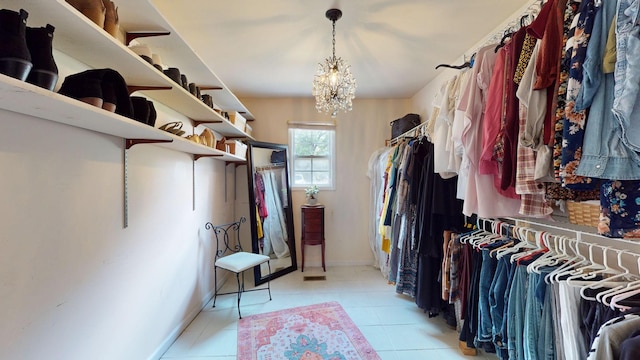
241, 261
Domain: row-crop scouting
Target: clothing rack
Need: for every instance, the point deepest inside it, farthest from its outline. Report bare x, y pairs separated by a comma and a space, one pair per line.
600, 250
418, 130
269, 167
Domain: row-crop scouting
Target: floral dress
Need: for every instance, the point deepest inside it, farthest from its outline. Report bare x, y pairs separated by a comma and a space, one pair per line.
620, 209
575, 119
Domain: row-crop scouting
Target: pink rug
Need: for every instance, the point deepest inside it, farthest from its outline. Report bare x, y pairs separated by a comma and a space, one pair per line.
315, 332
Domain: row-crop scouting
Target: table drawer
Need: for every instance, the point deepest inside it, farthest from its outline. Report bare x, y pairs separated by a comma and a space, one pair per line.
312, 235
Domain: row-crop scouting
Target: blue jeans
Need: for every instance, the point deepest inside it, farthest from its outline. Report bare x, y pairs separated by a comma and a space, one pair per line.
485, 324
533, 317
497, 297
546, 339
516, 309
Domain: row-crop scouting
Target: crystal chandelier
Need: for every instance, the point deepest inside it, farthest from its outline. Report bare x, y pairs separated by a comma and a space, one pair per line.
333, 85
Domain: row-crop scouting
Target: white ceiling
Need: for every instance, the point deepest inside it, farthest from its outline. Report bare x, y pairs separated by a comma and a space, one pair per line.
271, 48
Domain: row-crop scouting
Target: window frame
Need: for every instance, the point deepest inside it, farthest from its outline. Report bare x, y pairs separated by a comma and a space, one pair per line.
332, 156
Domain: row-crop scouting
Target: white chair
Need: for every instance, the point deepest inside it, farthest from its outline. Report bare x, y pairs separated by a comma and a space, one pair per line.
230, 256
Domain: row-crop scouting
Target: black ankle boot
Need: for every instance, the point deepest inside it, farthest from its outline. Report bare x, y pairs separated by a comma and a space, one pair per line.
152, 114
174, 74
15, 59
44, 72
84, 88
141, 109
106, 84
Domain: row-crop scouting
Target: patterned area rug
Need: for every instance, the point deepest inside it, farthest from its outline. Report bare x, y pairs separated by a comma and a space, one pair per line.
315, 332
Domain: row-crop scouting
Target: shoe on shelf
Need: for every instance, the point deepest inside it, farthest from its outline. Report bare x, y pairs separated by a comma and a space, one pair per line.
194, 90
105, 84
44, 72
195, 138
85, 89
157, 62
151, 121
143, 51
184, 81
111, 20
92, 9
207, 99
173, 74
174, 127
15, 58
141, 109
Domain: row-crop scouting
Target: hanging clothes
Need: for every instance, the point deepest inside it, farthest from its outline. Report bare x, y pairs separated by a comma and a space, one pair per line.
376, 174
274, 225
481, 197
575, 120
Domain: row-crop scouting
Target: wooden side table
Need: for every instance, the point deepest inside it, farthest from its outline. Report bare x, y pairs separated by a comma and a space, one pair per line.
313, 229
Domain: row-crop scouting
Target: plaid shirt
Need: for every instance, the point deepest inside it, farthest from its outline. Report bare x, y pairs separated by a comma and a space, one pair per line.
532, 193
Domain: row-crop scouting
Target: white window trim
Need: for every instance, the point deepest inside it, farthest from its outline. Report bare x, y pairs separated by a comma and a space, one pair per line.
313, 126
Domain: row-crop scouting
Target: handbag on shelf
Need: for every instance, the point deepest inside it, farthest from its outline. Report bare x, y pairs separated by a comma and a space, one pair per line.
278, 157
404, 124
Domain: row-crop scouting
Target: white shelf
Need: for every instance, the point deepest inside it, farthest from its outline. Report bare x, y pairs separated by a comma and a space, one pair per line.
142, 16
81, 39
24, 98
184, 145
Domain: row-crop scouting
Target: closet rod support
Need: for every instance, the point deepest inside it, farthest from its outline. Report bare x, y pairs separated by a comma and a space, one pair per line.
138, 34
236, 163
133, 88
200, 122
199, 156
130, 142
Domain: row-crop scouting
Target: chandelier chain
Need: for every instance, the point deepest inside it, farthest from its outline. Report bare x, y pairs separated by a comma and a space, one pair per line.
334, 39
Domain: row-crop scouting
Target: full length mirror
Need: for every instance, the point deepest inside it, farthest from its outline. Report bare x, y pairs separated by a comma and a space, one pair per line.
270, 209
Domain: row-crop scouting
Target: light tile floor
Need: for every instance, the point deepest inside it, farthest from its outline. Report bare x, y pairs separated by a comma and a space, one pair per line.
393, 324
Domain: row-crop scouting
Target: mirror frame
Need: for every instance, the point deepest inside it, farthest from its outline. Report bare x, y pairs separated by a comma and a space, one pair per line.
258, 278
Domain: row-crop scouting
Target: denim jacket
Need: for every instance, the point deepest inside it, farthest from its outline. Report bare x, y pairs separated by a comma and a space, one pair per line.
604, 155
626, 106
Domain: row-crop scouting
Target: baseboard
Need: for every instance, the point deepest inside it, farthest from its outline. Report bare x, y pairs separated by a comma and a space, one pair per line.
337, 263
189, 317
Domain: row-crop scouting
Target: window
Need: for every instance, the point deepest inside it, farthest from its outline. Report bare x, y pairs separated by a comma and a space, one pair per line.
312, 156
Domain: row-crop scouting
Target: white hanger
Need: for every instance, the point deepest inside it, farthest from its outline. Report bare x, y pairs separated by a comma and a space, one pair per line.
590, 270
606, 296
480, 233
608, 282
551, 257
495, 235
521, 233
468, 235
530, 248
565, 269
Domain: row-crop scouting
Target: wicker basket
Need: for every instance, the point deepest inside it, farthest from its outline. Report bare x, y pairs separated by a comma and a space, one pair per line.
584, 213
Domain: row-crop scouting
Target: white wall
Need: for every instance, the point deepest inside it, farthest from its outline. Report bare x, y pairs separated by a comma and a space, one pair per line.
76, 284
358, 134
422, 101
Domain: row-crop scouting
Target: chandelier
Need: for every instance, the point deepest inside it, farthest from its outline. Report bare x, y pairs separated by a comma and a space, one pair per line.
333, 85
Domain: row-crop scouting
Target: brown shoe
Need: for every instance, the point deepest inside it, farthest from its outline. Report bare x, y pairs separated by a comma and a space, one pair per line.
92, 9
469, 351
111, 20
